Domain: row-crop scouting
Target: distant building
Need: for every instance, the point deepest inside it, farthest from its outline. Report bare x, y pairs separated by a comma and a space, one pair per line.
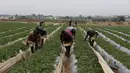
4, 17
127, 20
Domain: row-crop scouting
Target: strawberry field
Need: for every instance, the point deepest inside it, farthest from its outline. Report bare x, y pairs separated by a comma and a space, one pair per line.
12, 34
115, 43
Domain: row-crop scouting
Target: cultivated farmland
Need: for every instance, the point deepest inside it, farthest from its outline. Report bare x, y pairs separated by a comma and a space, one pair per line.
115, 41
48, 58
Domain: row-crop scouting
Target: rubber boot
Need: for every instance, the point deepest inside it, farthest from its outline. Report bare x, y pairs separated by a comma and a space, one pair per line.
92, 43
32, 49
67, 53
42, 42
36, 47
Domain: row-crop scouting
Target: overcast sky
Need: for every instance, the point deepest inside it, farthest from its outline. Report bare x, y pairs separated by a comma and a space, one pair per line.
66, 7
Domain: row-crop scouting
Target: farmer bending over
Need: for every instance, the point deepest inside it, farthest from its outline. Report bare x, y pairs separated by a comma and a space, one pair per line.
92, 36
73, 30
66, 37
43, 32
33, 39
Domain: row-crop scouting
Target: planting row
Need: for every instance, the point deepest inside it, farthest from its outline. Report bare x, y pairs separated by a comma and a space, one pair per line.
124, 29
116, 53
12, 37
9, 51
87, 60
7, 33
13, 26
124, 35
41, 61
117, 40
112, 50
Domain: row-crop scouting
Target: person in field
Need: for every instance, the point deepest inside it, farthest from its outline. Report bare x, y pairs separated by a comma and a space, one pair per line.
73, 30
40, 25
42, 31
75, 23
70, 23
33, 39
66, 37
92, 36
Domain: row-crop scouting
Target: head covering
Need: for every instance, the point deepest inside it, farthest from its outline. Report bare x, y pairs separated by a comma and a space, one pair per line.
40, 23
